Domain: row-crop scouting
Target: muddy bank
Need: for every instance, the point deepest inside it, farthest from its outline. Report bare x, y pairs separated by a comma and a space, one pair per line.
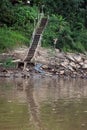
50, 62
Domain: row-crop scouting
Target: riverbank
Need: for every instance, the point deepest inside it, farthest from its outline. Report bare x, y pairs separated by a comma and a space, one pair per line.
50, 62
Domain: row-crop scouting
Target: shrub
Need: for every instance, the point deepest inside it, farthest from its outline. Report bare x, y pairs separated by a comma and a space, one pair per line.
10, 39
19, 17
69, 39
8, 63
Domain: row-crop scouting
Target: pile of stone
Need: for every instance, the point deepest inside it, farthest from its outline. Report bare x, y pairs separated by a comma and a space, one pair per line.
64, 64
74, 65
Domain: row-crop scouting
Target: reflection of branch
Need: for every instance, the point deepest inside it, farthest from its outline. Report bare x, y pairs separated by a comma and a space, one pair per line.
32, 106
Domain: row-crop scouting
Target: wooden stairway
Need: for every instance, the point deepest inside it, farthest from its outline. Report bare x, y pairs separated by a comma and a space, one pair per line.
36, 39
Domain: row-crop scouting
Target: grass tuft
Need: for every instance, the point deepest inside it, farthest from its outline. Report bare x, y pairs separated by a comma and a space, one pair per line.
10, 39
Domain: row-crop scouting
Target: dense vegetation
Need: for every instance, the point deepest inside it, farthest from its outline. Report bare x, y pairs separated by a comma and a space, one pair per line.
16, 23
67, 23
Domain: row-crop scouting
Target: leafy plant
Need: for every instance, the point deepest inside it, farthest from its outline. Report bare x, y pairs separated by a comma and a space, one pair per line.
8, 63
10, 39
69, 39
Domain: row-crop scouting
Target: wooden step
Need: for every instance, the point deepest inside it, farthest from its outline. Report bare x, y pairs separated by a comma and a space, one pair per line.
32, 49
39, 30
34, 44
43, 22
36, 38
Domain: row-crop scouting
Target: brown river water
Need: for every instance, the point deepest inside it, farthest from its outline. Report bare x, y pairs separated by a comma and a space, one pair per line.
43, 103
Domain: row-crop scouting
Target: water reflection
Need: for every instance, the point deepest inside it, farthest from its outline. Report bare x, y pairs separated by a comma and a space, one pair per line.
33, 106
49, 103
54, 89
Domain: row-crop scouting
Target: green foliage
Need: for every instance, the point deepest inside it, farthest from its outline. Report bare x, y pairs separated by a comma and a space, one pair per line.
24, 19
6, 12
68, 39
57, 28
18, 17
10, 39
24, 15
11, 15
8, 63
72, 10
67, 23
